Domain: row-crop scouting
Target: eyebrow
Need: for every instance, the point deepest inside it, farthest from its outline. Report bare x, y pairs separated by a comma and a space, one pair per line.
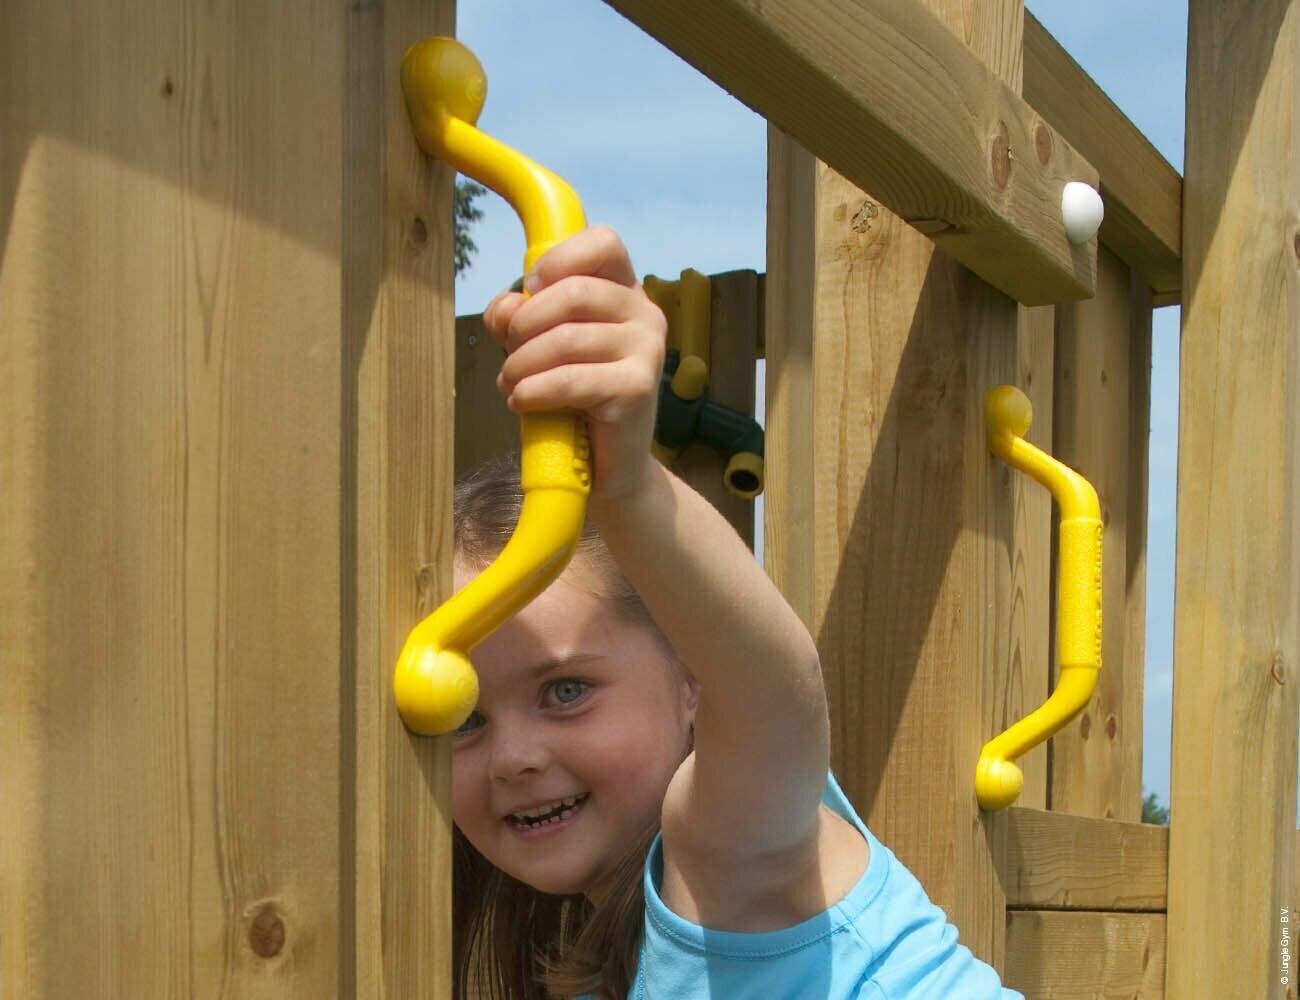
556, 662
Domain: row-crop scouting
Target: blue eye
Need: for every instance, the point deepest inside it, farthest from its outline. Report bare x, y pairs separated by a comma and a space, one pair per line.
575, 687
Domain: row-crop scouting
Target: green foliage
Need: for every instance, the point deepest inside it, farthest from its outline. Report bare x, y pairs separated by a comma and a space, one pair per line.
1153, 811
466, 192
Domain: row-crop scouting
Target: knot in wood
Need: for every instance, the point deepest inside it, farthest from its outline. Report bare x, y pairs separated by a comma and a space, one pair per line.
266, 933
1001, 154
1042, 143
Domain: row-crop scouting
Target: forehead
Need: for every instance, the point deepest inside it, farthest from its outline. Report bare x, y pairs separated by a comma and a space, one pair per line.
564, 619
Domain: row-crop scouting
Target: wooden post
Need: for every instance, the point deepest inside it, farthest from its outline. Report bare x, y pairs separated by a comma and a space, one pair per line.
225, 387
891, 528
1236, 647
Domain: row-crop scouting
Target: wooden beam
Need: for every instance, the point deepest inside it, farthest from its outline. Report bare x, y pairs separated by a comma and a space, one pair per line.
1057, 861
1053, 955
1142, 192
885, 94
225, 386
1236, 627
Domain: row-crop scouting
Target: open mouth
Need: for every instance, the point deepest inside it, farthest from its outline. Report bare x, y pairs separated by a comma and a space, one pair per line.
558, 813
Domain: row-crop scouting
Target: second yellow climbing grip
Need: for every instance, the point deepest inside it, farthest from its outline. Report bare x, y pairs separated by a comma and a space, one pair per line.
1008, 414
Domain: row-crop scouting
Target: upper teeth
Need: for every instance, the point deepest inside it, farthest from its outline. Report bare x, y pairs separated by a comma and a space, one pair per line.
542, 810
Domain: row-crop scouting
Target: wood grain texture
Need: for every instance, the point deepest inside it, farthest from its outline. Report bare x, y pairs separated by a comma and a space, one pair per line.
1080, 956
1097, 758
1142, 192
1236, 639
905, 108
193, 614
1057, 861
788, 329
906, 570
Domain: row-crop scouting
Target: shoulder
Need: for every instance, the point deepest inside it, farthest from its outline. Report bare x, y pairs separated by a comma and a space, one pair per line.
759, 894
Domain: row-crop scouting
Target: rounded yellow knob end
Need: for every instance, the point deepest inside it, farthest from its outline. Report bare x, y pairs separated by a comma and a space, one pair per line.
1007, 409
441, 77
997, 783
691, 377
436, 689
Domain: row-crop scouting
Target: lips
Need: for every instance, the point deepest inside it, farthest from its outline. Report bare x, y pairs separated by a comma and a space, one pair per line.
551, 813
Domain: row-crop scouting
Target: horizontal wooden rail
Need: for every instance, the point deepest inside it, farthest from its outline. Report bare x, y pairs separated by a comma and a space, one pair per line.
1059, 861
1142, 192
1051, 953
887, 95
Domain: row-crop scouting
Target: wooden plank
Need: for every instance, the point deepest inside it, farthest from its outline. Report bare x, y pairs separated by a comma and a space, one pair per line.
1053, 955
399, 287
788, 325
196, 799
1097, 759
903, 559
884, 93
1057, 861
1142, 192
1236, 642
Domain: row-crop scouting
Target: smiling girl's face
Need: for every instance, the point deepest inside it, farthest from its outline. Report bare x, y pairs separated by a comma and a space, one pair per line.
574, 702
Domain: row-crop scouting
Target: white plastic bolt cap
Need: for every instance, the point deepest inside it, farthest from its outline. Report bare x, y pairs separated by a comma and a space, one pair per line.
1082, 211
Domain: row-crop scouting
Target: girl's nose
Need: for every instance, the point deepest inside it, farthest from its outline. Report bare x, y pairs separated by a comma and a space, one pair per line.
517, 752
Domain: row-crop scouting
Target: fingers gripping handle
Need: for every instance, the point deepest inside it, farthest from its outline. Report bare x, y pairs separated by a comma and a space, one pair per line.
434, 684
998, 780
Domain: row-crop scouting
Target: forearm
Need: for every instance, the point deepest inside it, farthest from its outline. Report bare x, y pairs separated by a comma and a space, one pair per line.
756, 662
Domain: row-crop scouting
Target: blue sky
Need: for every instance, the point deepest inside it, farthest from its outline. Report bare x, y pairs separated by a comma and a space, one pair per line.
678, 167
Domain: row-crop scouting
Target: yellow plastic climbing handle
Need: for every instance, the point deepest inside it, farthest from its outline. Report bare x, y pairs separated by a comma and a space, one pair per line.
1008, 414
434, 684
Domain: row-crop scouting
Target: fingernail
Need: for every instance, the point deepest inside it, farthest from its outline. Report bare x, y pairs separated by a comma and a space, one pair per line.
532, 283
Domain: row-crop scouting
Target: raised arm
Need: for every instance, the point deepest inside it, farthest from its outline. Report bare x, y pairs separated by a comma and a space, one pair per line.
746, 801
762, 734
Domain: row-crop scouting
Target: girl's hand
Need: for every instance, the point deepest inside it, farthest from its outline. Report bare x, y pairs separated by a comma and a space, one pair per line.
590, 340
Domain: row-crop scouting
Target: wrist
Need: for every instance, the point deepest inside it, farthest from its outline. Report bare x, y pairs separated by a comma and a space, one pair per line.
632, 491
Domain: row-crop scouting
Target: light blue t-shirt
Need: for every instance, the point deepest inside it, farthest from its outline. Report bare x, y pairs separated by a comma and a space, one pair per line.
885, 940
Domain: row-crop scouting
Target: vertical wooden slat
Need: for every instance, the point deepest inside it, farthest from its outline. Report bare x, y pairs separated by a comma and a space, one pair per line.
1097, 759
1236, 647
403, 348
206, 788
789, 286
909, 587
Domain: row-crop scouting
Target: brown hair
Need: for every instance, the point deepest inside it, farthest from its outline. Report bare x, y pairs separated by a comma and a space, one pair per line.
511, 941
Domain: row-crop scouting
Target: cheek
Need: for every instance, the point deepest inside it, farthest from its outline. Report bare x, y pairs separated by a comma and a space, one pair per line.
468, 789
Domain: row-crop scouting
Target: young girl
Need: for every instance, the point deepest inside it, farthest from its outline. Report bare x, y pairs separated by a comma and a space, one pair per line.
642, 799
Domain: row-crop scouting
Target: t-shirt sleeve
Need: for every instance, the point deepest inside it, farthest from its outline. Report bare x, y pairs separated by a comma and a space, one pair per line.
922, 958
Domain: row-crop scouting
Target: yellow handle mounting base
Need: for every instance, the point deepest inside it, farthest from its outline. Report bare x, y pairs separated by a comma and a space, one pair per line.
434, 684
1008, 414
